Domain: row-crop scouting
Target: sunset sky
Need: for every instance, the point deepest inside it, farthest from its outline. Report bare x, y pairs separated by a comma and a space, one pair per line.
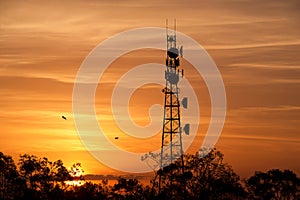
255, 44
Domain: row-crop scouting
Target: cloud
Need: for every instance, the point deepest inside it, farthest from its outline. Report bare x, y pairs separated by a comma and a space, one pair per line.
258, 45
254, 43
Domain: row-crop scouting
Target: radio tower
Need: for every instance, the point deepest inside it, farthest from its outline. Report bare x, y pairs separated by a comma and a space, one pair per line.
171, 145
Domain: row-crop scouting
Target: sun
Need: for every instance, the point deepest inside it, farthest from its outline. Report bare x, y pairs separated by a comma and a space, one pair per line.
76, 174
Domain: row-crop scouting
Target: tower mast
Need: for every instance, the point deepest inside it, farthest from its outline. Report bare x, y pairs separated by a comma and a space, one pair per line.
171, 145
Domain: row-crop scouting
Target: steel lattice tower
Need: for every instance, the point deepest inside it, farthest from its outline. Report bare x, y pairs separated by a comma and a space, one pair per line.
171, 146
171, 143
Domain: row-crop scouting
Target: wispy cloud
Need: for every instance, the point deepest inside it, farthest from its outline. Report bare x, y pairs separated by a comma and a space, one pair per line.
254, 43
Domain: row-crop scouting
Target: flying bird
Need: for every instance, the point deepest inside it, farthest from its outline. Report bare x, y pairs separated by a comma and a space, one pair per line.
64, 117
116, 138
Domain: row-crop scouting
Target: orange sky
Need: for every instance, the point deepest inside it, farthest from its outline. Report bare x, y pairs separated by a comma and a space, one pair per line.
255, 44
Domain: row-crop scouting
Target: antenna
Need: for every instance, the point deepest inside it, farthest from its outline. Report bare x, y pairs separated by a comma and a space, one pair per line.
167, 33
175, 30
167, 27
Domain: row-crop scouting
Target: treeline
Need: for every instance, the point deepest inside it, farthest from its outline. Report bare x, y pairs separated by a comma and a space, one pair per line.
204, 178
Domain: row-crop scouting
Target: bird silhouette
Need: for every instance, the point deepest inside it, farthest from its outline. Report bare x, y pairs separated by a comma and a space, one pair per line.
116, 138
64, 117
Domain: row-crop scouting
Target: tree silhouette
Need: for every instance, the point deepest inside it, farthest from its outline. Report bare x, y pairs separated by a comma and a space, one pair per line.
89, 191
205, 178
10, 183
274, 184
212, 178
127, 189
77, 172
43, 177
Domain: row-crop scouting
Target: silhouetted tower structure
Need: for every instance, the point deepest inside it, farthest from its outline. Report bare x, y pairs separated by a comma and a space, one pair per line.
171, 144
